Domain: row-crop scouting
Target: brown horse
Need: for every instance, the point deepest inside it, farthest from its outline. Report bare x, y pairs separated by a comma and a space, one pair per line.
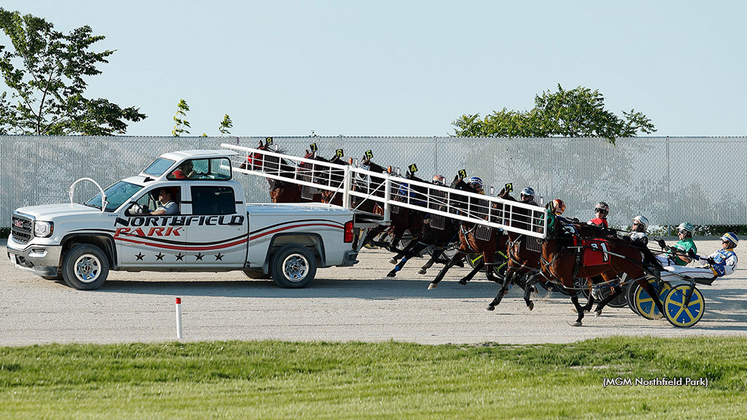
402, 218
588, 253
474, 239
280, 191
437, 232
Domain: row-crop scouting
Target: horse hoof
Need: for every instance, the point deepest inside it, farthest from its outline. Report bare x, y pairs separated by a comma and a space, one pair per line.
490, 308
598, 312
533, 290
576, 324
432, 286
391, 274
463, 282
421, 271
530, 305
393, 261
657, 315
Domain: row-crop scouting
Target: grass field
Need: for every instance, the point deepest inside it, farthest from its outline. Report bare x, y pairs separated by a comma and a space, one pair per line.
382, 380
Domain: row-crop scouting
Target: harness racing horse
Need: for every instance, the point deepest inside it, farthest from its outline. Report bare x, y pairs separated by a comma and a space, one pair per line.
280, 191
589, 252
370, 185
473, 239
331, 178
523, 255
402, 218
438, 232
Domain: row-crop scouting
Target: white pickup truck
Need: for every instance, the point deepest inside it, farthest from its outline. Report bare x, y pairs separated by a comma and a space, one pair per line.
211, 229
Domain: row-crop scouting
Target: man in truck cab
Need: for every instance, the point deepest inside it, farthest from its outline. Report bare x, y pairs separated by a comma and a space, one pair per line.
166, 204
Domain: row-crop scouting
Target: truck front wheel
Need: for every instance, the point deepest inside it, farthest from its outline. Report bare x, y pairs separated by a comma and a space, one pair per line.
293, 266
85, 267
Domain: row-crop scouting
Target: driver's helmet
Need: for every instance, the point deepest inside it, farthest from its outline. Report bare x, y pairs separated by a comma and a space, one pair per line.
558, 206
475, 182
602, 207
527, 192
732, 238
688, 228
438, 180
640, 224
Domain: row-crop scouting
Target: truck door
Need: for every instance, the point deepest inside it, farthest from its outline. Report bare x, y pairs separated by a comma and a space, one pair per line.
216, 226
145, 240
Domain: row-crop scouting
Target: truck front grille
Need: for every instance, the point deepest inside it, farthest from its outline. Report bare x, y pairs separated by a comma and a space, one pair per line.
21, 229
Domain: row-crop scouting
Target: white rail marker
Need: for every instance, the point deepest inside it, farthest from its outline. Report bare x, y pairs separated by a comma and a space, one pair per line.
179, 318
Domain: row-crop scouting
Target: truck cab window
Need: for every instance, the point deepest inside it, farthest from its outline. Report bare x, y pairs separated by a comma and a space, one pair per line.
201, 169
213, 200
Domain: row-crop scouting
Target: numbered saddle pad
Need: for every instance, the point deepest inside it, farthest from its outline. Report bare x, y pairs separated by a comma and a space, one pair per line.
483, 233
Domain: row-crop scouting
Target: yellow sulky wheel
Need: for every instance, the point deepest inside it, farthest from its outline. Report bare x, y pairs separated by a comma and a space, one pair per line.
644, 303
675, 310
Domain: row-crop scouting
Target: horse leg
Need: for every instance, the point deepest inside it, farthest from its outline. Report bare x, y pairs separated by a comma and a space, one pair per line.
615, 293
443, 271
579, 309
408, 253
502, 292
404, 252
429, 263
528, 287
472, 273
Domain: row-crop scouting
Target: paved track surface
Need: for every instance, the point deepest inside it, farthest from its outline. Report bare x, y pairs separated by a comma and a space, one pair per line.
342, 304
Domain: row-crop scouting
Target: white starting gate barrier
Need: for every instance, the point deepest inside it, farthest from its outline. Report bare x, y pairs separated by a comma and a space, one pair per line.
391, 191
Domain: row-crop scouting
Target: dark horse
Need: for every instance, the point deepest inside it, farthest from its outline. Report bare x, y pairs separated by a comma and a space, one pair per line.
474, 238
602, 254
402, 218
438, 231
330, 177
370, 185
280, 191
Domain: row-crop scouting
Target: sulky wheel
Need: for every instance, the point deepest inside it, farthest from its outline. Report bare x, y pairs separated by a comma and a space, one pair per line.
675, 310
501, 264
474, 259
644, 303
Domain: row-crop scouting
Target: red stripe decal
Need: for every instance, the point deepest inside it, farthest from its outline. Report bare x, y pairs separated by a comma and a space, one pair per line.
182, 248
251, 238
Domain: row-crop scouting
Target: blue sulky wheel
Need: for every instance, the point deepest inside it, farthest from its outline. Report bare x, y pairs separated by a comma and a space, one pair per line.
644, 303
676, 312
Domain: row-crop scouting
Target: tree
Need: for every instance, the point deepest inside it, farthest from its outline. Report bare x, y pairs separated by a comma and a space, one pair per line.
45, 74
572, 113
180, 118
225, 125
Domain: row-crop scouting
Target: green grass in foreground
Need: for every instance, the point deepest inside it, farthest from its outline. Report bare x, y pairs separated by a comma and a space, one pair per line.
384, 380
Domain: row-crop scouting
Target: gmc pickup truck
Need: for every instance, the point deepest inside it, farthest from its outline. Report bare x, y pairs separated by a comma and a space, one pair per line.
208, 228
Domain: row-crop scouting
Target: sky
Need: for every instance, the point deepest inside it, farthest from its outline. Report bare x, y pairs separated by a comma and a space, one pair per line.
408, 68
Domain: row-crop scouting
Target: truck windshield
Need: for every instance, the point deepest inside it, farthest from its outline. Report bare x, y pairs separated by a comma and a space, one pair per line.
116, 195
158, 167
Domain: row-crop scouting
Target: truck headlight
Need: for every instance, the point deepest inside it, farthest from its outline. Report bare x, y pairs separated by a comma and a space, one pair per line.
43, 229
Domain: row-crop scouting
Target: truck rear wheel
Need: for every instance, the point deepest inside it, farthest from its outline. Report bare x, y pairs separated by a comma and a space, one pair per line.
85, 267
293, 266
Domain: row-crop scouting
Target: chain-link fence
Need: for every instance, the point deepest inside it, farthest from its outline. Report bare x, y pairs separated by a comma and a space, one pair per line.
667, 179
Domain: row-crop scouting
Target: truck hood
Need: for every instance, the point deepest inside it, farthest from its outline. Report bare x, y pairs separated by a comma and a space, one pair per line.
55, 211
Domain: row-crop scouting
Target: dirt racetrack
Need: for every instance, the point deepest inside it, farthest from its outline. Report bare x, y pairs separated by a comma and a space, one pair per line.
342, 304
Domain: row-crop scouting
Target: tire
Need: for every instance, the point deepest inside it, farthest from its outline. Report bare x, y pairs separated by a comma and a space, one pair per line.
293, 266
644, 303
85, 267
675, 310
256, 273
